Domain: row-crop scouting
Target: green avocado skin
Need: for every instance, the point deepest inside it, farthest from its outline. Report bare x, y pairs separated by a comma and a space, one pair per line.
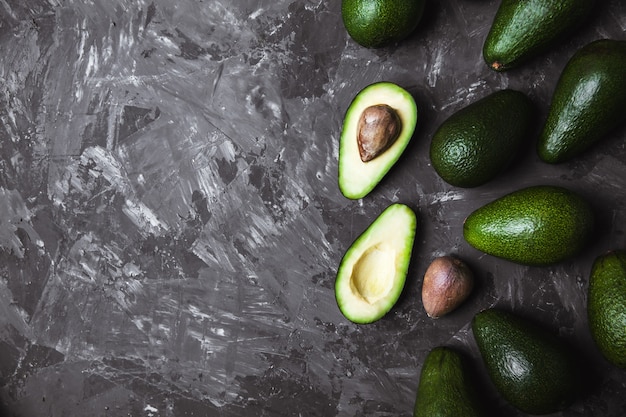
530, 367
479, 141
588, 102
446, 387
524, 29
537, 225
606, 306
378, 23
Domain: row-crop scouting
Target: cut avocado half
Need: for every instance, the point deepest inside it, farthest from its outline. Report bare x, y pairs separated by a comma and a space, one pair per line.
372, 273
356, 177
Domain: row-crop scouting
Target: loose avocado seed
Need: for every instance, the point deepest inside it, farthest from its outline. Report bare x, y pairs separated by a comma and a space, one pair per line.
378, 128
448, 281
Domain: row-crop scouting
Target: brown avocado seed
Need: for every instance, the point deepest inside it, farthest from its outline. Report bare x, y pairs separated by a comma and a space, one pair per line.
379, 126
448, 281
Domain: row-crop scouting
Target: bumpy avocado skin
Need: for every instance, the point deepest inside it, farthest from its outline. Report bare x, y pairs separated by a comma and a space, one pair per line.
523, 29
446, 387
378, 23
537, 225
606, 306
531, 368
479, 141
588, 102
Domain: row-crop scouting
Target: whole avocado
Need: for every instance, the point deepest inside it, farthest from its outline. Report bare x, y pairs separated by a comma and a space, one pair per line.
531, 368
537, 225
446, 387
378, 23
523, 29
588, 101
606, 305
479, 141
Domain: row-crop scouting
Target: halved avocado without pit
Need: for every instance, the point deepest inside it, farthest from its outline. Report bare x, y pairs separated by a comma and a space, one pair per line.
372, 273
377, 127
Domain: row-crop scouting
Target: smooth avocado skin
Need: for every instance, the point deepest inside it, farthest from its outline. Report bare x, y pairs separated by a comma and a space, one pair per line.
357, 178
446, 387
523, 29
538, 225
479, 141
378, 23
588, 101
606, 306
530, 367
372, 272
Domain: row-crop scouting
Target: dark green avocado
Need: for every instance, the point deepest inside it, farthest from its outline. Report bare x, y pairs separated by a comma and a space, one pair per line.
531, 368
479, 141
588, 102
378, 23
446, 387
606, 305
524, 29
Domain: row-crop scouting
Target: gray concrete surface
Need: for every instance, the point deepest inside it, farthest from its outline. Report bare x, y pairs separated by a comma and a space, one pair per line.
171, 225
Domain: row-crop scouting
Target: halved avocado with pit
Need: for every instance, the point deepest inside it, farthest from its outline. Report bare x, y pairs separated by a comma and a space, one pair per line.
373, 271
377, 127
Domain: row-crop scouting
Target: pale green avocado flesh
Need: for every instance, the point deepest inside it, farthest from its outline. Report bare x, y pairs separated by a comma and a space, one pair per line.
358, 178
373, 271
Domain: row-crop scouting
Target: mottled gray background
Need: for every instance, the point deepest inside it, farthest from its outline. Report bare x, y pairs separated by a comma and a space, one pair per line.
171, 225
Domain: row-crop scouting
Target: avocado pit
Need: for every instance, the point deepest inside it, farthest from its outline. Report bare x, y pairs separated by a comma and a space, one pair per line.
378, 128
448, 281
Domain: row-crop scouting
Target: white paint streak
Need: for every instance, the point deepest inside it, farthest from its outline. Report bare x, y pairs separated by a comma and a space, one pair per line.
442, 197
150, 410
108, 167
435, 70
275, 108
111, 169
464, 95
144, 218
228, 151
256, 14
130, 269
197, 314
93, 63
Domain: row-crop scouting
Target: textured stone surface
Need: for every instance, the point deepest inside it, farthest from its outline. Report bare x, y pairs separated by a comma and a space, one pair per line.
171, 225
